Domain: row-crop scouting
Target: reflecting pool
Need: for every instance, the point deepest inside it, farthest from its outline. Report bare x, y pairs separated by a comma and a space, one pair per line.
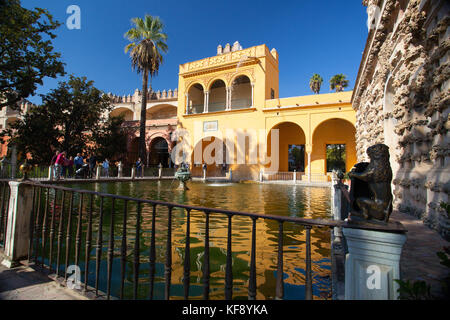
283, 200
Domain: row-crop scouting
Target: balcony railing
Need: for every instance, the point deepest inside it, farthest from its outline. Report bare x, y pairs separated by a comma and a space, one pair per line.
36, 173
236, 104
196, 109
241, 104
295, 177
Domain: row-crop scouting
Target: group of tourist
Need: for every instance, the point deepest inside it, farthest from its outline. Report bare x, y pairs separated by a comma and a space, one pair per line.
83, 167
63, 166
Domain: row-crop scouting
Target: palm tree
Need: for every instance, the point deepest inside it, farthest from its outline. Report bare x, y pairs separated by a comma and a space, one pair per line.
315, 83
147, 42
339, 82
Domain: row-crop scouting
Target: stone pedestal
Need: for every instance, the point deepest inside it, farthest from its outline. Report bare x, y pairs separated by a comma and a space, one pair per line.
160, 173
18, 223
133, 173
372, 264
204, 174
98, 172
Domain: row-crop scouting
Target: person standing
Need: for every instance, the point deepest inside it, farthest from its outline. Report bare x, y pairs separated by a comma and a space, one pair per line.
70, 167
78, 161
53, 162
106, 168
65, 167
139, 168
59, 163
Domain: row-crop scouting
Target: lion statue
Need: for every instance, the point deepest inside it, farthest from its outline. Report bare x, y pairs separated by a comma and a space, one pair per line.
370, 194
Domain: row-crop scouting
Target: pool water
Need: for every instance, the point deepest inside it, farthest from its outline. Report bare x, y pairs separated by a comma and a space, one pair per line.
282, 200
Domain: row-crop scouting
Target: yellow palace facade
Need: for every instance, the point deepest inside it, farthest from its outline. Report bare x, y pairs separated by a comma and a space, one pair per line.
230, 107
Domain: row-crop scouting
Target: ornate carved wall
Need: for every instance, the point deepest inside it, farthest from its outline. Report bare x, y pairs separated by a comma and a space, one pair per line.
402, 99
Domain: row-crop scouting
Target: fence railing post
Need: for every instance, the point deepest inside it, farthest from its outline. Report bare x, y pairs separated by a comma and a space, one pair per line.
17, 241
336, 198
133, 173
119, 170
295, 176
51, 170
98, 172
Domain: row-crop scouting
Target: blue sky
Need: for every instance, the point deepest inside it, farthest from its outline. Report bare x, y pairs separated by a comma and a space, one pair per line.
311, 36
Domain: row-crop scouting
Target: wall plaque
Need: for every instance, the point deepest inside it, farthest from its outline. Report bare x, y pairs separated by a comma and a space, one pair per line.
209, 126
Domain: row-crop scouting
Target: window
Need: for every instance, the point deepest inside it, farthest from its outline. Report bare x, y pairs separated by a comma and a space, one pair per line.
336, 157
272, 94
296, 158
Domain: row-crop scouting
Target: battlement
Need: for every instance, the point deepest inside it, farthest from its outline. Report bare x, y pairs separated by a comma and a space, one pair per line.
151, 96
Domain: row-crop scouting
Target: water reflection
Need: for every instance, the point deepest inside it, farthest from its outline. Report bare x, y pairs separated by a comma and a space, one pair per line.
283, 200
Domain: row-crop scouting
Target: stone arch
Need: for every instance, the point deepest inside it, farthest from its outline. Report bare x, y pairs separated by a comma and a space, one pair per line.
215, 151
327, 134
159, 134
292, 144
194, 83
195, 98
212, 80
162, 111
245, 73
332, 117
159, 151
126, 112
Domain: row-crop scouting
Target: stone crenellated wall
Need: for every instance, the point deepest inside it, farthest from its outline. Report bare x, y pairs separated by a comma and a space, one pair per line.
402, 99
151, 95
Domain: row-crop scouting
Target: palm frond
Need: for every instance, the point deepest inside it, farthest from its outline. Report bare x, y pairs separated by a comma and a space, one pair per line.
148, 42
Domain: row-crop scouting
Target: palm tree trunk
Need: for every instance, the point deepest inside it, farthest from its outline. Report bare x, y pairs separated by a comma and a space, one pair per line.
142, 147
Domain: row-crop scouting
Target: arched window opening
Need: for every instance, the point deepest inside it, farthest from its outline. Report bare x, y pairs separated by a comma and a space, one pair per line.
241, 93
159, 153
195, 99
217, 96
127, 114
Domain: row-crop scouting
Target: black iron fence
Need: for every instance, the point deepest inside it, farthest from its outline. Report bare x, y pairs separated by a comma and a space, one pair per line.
5, 193
7, 171
97, 231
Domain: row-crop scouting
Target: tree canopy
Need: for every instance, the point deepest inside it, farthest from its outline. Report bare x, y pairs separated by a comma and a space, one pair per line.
26, 51
72, 118
339, 82
315, 83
